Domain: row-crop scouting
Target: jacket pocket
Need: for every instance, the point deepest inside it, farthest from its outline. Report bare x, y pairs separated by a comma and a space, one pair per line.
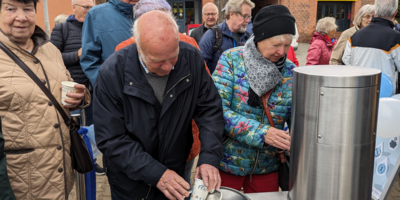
19, 151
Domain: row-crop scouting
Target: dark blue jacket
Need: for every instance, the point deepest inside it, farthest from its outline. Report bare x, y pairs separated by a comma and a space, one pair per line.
207, 43
141, 138
105, 26
69, 45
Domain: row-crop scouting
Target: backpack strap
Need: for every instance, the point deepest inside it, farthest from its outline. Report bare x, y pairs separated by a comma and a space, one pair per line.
217, 38
247, 34
65, 32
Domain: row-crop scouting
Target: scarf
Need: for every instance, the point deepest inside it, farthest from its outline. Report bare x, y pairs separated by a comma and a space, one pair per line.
262, 74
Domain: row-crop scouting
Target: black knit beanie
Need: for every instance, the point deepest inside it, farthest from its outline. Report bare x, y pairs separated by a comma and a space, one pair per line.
271, 21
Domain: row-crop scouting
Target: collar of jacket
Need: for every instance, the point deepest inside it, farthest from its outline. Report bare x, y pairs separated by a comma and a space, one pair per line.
381, 21
123, 7
204, 27
136, 84
39, 38
227, 32
319, 36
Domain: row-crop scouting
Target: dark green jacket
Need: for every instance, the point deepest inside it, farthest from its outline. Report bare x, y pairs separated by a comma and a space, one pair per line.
5, 188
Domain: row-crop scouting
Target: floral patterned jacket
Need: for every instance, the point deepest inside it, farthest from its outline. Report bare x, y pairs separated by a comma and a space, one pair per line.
245, 152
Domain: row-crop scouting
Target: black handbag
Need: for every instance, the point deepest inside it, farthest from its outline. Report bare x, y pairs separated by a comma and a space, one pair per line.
80, 156
283, 169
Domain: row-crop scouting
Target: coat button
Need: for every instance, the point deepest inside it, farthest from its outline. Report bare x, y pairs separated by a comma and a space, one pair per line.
56, 125
35, 61
44, 82
50, 103
60, 170
59, 147
130, 83
187, 80
171, 95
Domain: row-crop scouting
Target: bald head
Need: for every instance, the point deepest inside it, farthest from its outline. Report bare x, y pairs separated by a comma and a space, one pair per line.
157, 39
210, 14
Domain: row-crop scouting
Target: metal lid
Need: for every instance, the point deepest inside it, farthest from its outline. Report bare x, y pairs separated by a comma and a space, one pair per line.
337, 70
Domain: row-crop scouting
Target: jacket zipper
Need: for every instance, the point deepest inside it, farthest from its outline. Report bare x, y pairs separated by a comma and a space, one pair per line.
258, 151
148, 192
175, 85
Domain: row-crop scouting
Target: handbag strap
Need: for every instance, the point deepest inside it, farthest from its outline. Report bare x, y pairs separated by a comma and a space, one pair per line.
271, 122
266, 109
35, 79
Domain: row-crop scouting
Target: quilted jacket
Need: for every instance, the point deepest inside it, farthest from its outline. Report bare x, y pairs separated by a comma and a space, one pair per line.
37, 141
245, 151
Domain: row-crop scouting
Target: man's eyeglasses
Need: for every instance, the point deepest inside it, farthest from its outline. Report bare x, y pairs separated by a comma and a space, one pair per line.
245, 17
85, 7
210, 14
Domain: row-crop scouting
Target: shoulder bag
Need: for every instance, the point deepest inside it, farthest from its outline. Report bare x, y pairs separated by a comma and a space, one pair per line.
80, 157
283, 170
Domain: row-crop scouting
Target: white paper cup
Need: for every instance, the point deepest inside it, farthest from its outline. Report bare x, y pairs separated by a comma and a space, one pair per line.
199, 190
67, 87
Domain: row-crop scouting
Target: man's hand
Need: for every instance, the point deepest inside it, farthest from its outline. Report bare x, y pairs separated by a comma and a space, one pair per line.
173, 186
78, 96
79, 53
210, 176
278, 138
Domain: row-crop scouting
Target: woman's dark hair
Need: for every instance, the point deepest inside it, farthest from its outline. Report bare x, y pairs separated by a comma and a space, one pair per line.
23, 1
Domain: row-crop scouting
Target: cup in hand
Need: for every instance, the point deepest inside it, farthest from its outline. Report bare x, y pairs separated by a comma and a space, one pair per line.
67, 87
199, 190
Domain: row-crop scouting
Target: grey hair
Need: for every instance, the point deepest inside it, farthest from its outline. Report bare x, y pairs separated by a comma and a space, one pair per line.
73, 2
236, 6
60, 19
145, 6
385, 8
325, 25
366, 9
282, 37
136, 32
202, 11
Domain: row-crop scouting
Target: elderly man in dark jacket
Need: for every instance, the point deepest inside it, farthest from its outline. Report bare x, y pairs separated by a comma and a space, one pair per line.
145, 98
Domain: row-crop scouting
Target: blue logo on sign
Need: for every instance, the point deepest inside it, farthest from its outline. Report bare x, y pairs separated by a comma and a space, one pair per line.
378, 151
381, 168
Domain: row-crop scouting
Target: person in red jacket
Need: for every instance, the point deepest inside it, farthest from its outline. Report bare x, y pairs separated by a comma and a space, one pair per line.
322, 42
292, 56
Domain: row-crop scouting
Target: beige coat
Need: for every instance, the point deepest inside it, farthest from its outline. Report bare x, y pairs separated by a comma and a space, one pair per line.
338, 51
38, 152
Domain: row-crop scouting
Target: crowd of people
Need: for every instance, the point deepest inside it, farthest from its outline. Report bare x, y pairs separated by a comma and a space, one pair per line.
159, 98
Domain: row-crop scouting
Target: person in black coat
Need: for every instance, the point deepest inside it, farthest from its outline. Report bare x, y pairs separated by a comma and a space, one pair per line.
210, 14
67, 37
145, 98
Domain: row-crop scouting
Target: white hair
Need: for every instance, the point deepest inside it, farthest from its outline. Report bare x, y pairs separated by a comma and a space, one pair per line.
283, 37
73, 2
136, 32
60, 19
216, 8
235, 6
385, 8
366, 9
325, 25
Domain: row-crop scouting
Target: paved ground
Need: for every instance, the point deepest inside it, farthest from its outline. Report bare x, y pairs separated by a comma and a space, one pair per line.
301, 53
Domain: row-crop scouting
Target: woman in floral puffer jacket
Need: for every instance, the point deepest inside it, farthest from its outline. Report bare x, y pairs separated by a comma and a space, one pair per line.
243, 75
